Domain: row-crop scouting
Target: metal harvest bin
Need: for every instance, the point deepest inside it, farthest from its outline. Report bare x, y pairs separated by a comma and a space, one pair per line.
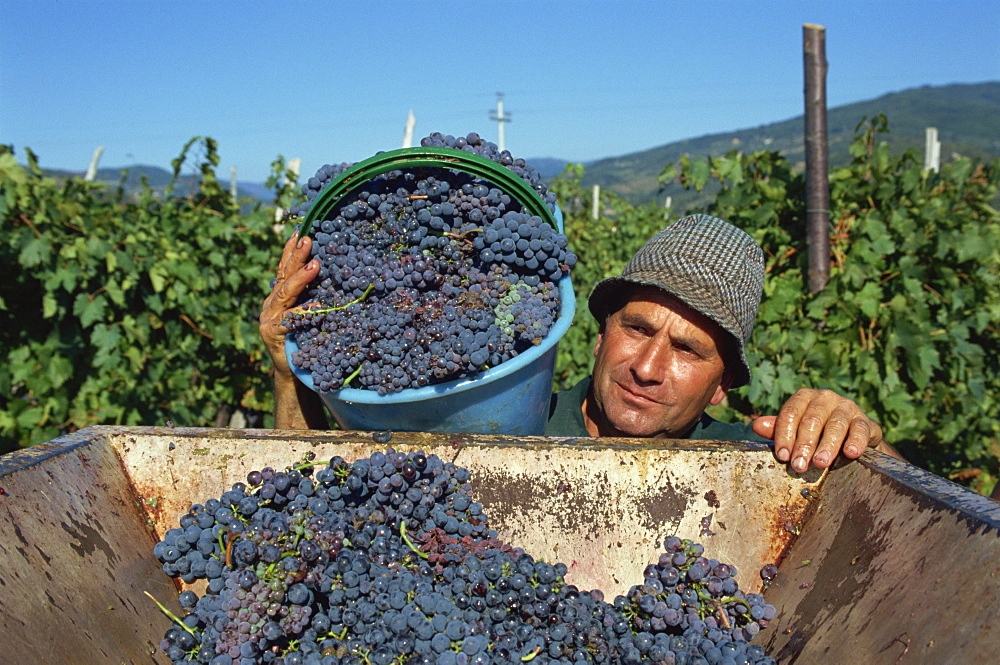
880, 562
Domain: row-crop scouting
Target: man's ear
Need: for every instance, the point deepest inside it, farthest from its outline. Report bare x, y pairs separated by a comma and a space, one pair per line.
724, 384
600, 336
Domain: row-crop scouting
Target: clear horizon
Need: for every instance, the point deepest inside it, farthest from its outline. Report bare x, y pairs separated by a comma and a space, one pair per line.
330, 83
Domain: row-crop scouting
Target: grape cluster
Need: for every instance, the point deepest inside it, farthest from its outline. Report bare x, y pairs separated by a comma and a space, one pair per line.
426, 275
389, 561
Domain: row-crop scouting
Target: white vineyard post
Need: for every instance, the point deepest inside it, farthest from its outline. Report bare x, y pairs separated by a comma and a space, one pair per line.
932, 150
293, 167
92, 168
411, 122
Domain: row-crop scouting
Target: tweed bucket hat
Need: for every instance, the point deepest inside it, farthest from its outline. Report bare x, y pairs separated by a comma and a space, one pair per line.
707, 263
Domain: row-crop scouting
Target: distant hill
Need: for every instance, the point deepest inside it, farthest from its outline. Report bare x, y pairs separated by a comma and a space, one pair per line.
548, 167
967, 117
158, 178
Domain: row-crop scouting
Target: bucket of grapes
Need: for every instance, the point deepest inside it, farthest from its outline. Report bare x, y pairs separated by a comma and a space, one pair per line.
443, 291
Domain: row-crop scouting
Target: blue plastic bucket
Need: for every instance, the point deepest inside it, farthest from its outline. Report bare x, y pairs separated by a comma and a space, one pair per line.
511, 398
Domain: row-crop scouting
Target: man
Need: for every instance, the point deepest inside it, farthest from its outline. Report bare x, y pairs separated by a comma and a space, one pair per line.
671, 342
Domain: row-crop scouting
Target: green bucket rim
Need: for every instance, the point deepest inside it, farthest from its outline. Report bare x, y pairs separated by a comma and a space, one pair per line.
405, 158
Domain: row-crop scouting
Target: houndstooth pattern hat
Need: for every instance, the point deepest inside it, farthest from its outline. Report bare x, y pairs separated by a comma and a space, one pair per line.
707, 263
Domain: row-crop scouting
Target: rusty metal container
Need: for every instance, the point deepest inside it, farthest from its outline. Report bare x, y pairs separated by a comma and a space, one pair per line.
880, 562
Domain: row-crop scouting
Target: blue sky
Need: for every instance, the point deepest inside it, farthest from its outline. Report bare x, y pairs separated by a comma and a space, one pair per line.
334, 81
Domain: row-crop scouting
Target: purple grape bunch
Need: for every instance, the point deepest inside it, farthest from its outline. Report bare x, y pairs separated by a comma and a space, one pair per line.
426, 275
389, 560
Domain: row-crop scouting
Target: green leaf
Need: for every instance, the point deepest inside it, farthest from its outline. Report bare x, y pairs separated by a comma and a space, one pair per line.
158, 278
59, 369
922, 361
869, 299
49, 306
89, 310
35, 252
700, 172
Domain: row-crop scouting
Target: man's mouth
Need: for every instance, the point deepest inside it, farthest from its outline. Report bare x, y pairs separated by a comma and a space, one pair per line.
631, 394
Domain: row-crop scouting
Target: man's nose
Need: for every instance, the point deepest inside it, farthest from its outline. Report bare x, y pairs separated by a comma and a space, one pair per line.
651, 362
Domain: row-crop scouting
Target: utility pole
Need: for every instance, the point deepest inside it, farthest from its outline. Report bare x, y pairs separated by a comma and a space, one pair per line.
411, 122
501, 118
232, 185
817, 178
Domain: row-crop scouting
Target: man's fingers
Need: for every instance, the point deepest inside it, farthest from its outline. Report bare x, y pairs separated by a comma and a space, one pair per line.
799, 427
865, 433
858, 439
764, 426
286, 254
814, 426
786, 425
288, 290
294, 255
841, 428
295, 271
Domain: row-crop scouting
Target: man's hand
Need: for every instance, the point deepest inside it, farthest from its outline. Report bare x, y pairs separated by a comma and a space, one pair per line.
814, 426
295, 271
295, 406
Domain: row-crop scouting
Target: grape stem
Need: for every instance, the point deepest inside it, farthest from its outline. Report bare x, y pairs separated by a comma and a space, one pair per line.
720, 611
359, 299
406, 539
171, 615
351, 377
461, 236
531, 655
229, 548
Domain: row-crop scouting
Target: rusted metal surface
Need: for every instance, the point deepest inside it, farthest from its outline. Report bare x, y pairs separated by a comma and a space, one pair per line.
881, 562
897, 566
75, 559
604, 509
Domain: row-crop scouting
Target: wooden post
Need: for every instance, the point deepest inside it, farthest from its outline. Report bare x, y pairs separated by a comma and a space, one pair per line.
596, 206
817, 179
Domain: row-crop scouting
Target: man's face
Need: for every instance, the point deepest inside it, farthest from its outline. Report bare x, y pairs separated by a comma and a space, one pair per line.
658, 365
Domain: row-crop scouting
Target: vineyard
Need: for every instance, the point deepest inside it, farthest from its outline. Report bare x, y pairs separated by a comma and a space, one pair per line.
122, 309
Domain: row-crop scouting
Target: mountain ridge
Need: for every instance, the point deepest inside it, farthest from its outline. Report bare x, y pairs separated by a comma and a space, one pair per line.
965, 114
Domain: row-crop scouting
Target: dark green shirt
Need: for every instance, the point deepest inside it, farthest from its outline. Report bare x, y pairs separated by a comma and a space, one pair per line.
566, 419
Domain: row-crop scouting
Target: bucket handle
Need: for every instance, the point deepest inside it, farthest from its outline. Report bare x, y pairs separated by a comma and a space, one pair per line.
404, 158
